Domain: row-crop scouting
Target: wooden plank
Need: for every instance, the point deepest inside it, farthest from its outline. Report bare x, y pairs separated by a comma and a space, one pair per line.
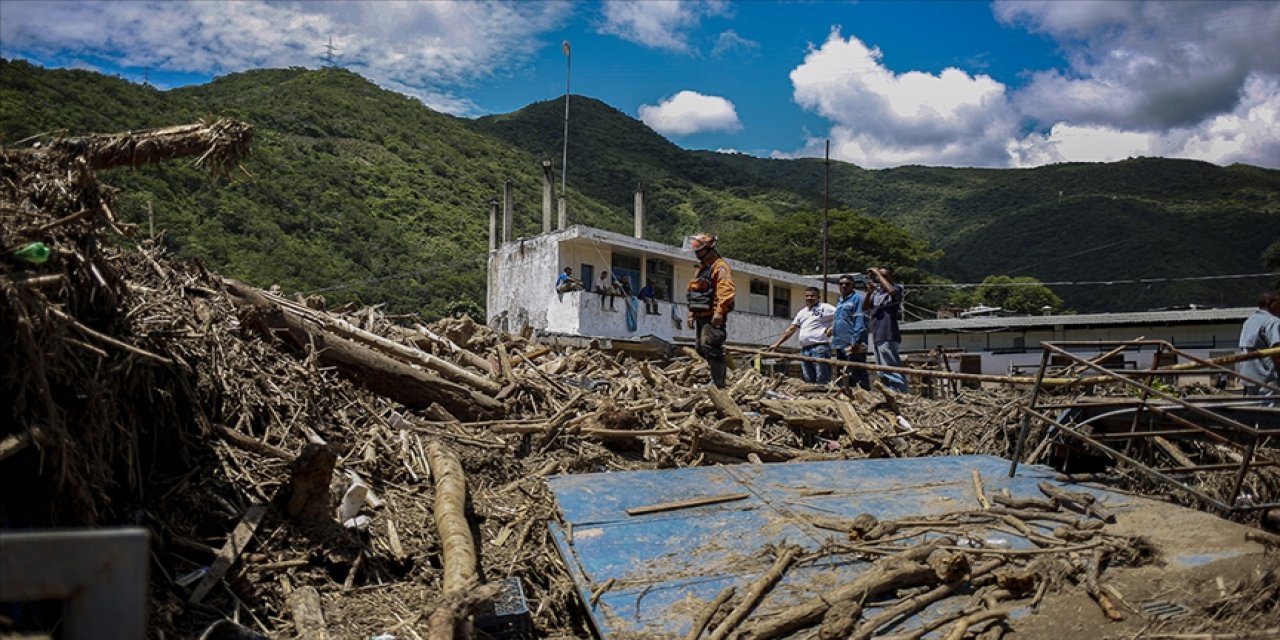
230, 552
686, 504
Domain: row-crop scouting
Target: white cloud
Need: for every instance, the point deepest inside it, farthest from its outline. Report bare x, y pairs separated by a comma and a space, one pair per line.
729, 41
659, 24
881, 118
430, 50
691, 112
1250, 134
1176, 79
1146, 65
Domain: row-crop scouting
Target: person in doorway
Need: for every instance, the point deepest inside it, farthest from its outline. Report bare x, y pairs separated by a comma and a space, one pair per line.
606, 289
710, 296
849, 330
566, 282
813, 322
1261, 331
649, 298
884, 306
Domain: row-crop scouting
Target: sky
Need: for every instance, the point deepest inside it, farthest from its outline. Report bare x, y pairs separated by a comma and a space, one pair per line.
886, 83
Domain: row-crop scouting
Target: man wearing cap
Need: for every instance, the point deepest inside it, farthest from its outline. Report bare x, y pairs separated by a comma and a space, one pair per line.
813, 322
710, 297
849, 330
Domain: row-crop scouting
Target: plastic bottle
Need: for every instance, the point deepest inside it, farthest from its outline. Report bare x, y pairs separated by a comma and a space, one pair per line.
35, 253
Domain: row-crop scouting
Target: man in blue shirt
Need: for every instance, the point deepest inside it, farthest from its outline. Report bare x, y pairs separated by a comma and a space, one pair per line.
885, 306
1260, 331
566, 282
849, 331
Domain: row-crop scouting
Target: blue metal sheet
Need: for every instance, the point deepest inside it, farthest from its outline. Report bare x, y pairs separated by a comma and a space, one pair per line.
668, 565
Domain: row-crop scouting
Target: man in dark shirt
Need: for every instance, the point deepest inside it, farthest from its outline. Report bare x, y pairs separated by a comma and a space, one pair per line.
885, 307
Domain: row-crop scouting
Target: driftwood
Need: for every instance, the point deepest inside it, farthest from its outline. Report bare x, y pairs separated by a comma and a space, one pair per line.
755, 592
459, 550
308, 614
375, 371
717, 441
220, 145
309, 497
894, 572
443, 622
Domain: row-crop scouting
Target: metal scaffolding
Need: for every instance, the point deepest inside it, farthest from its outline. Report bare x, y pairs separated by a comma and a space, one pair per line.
1156, 414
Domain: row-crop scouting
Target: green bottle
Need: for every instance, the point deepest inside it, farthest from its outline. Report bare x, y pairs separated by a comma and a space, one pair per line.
35, 253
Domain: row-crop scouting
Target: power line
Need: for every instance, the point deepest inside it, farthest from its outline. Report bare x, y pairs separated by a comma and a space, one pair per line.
1070, 283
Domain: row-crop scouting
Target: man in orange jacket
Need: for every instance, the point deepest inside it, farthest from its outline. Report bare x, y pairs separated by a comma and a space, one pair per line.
710, 297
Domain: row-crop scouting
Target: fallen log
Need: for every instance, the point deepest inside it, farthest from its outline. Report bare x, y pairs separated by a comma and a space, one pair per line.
459, 550
379, 373
722, 442
308, 615
753, 595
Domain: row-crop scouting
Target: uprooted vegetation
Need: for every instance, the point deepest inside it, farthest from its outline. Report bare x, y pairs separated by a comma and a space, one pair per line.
152, 392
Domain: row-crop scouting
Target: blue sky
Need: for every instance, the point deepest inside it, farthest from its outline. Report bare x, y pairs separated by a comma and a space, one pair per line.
950, 83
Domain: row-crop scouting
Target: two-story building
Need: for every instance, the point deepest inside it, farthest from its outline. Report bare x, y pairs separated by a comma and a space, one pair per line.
523, 271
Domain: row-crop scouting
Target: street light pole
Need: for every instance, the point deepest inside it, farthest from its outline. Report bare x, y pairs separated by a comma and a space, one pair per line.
564, 159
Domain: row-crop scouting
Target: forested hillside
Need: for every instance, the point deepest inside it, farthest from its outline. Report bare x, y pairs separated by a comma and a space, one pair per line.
362, 193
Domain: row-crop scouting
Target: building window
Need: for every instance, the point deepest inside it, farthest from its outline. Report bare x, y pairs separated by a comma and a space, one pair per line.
782, 302
659, 273
588, 275
627, 268
758, 301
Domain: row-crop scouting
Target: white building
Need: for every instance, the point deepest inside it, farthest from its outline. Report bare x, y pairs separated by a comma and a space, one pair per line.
1012, 343
523, 272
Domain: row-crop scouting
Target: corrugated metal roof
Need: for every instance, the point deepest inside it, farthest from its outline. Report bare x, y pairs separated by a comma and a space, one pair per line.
1183, 316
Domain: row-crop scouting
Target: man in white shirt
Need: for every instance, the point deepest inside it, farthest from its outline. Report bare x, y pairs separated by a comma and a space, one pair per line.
814, 324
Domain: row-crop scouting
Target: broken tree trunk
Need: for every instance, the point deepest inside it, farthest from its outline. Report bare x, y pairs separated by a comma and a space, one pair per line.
309, 497
721, 442
381, 374
451, 519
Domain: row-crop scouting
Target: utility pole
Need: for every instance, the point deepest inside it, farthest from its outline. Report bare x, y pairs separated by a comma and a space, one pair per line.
826, 197
564, 159
330, 54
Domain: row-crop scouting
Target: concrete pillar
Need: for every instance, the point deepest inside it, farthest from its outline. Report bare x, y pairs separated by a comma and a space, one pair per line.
493, 224
548, 194
508, 209
564, 211
639, 231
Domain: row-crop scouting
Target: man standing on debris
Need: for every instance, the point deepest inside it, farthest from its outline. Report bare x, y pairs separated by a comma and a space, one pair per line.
885, 305
1260, 331
710, 296
814, 324
849, 331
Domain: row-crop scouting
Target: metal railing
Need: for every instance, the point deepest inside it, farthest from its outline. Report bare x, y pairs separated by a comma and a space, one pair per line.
1151, 414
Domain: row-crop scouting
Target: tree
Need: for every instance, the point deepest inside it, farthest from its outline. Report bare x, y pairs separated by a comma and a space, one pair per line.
1020, 295
855, 242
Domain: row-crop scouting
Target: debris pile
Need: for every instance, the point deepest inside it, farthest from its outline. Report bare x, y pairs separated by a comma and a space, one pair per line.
331, 473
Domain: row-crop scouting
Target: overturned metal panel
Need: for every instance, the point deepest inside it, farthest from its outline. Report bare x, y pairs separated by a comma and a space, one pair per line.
666, 565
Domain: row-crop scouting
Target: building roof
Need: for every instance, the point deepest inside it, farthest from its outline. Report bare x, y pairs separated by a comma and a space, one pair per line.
1183, 316
675, 253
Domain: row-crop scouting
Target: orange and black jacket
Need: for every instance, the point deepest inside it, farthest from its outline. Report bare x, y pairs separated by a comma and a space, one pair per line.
719, 277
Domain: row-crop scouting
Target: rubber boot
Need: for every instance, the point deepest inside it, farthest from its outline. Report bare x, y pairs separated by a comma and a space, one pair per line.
718, 368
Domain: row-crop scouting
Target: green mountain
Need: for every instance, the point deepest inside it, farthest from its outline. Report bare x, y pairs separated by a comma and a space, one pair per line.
361, 193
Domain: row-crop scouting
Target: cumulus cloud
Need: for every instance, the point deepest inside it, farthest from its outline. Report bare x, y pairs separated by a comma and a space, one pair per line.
881, 118
691, 112
1186, 79
430, 50
659, 24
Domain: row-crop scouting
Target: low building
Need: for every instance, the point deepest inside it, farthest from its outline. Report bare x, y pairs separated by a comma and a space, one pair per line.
1012, 344
523, 272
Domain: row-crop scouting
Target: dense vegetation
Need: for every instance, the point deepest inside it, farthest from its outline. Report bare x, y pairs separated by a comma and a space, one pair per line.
366, 194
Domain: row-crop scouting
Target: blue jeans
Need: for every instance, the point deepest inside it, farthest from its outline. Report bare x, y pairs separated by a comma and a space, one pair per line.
854, 375
816, 372
887, 355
